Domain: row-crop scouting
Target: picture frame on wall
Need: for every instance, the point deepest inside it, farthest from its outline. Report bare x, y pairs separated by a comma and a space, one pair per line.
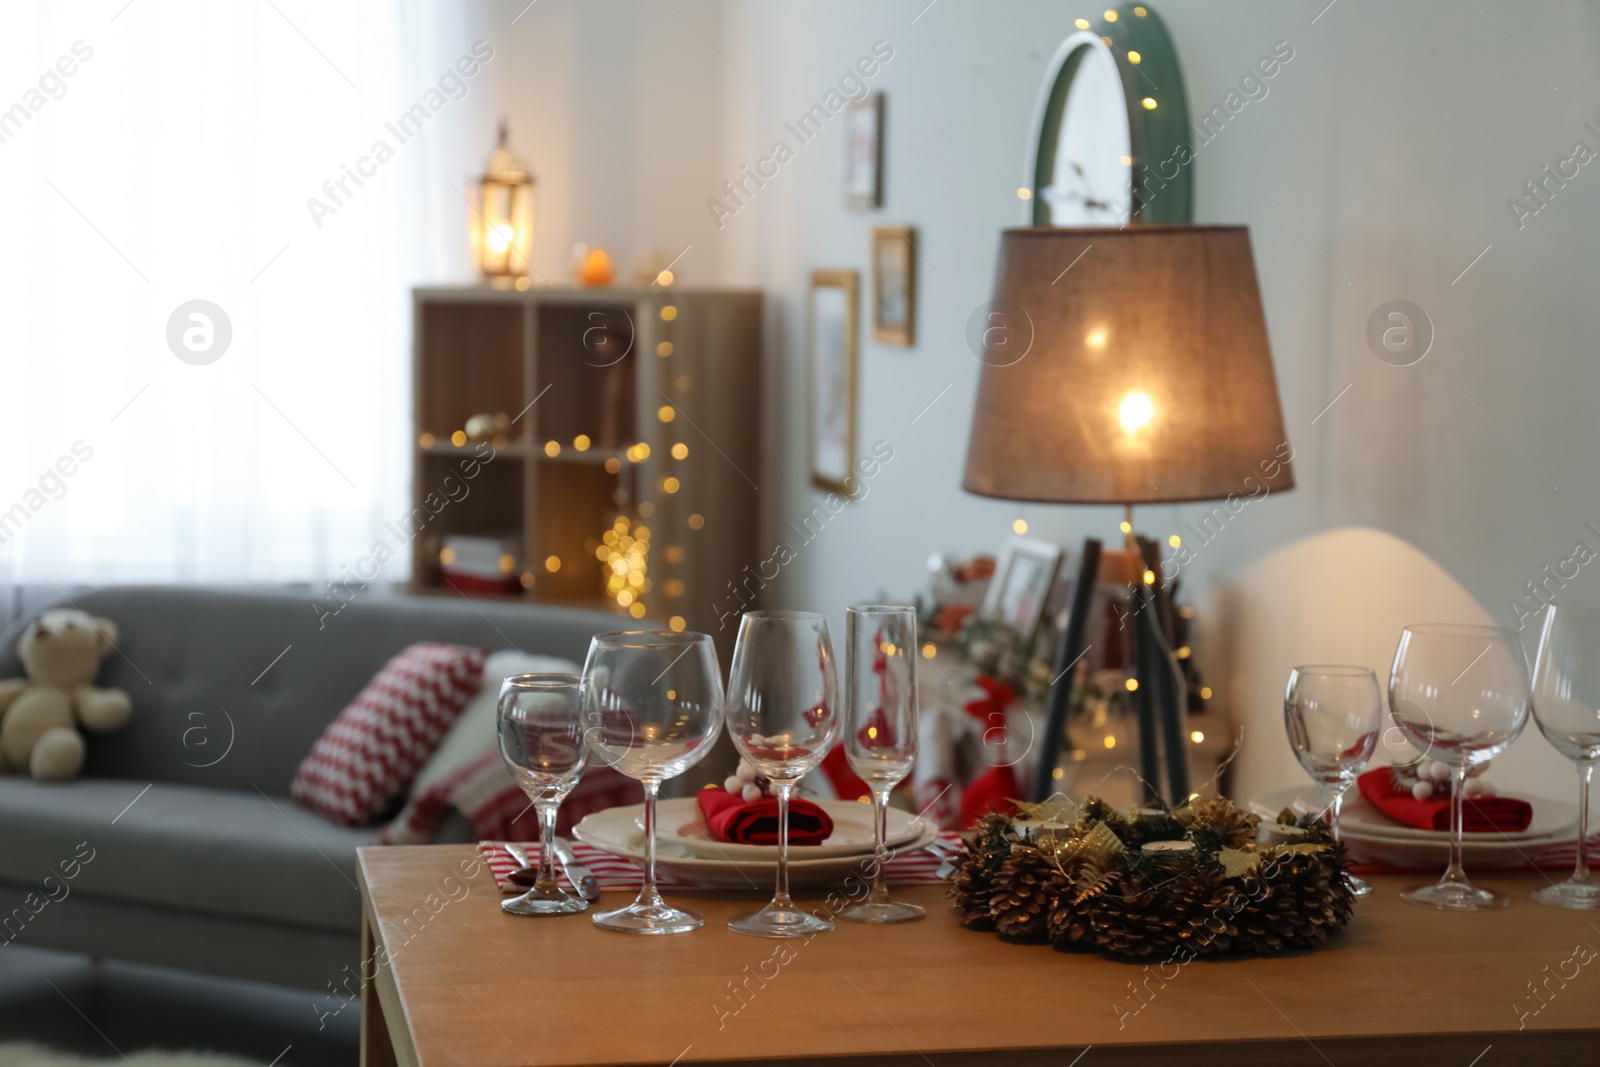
863, 156
1022, 583
832, 329
894, 285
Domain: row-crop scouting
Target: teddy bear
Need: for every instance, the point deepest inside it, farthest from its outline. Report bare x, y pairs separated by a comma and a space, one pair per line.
40, 714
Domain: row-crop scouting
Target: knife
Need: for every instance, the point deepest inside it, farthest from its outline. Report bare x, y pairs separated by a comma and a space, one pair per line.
579, 875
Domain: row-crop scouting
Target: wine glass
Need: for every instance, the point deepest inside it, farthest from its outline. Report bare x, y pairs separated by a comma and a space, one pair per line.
1566, 686
652, 707
540, 725
783, 717
1333, 714
880, 730
1460, 694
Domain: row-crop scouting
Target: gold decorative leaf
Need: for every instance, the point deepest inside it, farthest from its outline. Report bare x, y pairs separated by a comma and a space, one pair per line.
1055, 809
1236, 863
1101, 843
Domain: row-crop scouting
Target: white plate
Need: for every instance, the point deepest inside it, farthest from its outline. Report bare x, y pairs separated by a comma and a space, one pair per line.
1430, 848
616, 830
684, 824
1551, 818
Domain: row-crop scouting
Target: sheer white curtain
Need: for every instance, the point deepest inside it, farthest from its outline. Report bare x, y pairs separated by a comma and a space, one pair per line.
159, 152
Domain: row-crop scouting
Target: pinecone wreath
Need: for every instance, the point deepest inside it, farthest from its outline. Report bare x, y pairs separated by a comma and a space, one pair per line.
1145, 884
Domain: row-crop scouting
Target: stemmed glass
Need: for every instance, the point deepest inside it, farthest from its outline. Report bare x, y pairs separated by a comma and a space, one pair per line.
783, 717
1333, 715
652, 706
1459, 694
880, 730
541, 737
1566, 685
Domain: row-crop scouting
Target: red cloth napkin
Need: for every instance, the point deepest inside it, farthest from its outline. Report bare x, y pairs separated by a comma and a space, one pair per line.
1478, 814
990, 791
755, 822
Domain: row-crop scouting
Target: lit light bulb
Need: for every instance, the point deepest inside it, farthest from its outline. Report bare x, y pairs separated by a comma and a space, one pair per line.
1096, 338
1135, 57
1136, 411
1020, 526
500, 237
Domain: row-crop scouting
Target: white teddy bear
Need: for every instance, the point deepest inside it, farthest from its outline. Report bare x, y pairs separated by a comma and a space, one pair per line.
40, 714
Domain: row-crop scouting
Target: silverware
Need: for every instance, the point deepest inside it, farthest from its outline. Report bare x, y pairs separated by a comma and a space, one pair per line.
580, 876
945, 851
525, 875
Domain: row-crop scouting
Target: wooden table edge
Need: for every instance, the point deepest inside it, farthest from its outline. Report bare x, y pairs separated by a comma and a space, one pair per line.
383, 1043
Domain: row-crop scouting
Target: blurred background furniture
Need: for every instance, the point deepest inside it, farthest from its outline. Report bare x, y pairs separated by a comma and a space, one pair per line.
200, 860
628, 413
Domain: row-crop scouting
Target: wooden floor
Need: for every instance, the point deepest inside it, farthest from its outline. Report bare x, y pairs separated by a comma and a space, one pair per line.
465, 984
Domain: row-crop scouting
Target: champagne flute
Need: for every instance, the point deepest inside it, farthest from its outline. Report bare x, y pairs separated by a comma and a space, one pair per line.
880, 731
783, 717
540, 725
652, 707
1333, 714
1460, 694
1566, 685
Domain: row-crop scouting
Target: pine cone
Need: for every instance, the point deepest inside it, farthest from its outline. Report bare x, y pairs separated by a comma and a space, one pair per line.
974, 871
1141, 920
1306, 899
1025, 892
1215, 824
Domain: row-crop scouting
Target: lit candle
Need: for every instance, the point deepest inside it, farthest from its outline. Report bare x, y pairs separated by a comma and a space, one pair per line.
1277, 833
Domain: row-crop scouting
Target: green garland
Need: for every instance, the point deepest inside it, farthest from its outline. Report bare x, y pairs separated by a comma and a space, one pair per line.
1079, 876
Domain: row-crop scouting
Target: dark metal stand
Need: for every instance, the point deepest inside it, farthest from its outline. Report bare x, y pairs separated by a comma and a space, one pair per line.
1067, 655
1157, 700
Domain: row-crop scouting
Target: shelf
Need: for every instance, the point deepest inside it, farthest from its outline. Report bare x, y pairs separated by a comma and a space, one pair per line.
594, 457
518, 449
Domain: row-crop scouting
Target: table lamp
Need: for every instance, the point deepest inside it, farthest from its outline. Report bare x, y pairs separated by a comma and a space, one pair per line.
1126, 366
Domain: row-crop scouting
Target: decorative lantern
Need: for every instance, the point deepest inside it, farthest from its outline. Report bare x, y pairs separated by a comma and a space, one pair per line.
501, 222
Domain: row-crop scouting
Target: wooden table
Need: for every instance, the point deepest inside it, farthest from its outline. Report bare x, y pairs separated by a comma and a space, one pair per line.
454, 981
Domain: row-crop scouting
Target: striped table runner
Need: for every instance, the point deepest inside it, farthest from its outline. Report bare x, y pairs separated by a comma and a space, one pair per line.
616, 872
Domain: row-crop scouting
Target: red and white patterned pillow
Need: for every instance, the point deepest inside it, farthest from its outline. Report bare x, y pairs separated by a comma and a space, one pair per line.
484, 791
368, 755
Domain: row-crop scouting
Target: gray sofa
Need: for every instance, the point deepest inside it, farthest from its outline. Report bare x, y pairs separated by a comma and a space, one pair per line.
183, 847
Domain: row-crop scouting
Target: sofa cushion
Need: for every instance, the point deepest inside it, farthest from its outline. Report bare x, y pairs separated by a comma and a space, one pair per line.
476, 732
183, 847
367, 756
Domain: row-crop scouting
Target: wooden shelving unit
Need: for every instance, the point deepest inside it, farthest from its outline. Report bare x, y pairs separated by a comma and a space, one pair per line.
635, 403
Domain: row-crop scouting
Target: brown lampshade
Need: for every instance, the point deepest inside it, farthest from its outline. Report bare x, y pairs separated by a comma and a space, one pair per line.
1126, 366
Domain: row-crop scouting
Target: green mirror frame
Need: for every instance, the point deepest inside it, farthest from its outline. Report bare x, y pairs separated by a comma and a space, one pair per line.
1160, 149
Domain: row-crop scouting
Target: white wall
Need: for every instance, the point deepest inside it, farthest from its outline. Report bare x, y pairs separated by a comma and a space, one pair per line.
615, 104
1390, 144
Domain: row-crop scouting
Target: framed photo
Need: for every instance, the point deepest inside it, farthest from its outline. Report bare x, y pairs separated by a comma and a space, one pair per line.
1021, 584
894, 285
831, 365
863, 156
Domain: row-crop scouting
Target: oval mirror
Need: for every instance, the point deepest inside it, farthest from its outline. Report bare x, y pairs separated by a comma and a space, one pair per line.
1110, 127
